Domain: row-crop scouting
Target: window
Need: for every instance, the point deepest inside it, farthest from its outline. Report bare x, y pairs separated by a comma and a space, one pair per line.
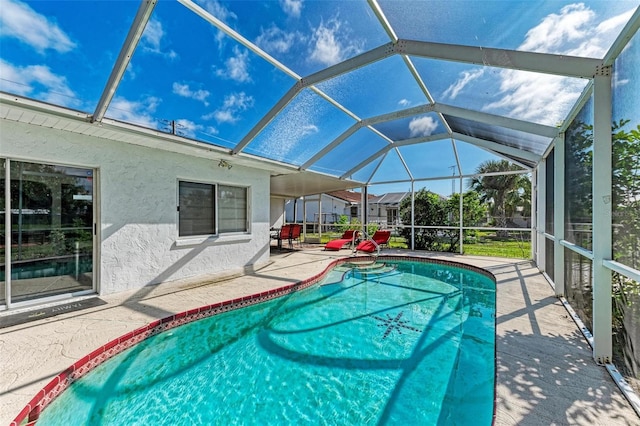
196, 207
200, 204
232, 209
392, 216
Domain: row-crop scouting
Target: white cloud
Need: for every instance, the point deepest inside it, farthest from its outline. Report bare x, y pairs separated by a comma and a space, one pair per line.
308, 129
553, 33
233, 104
618, 82
276, 40
187, 128
575, 31
20, 21
137, 112
14, 79
236, 66
185, 91
210, 130
332, 43
601, 37
130, 71
37, 81
615, 24
464, 79
224, 116
216, 9
222, 13
292, 7
404, 103
422, 126
546, 99
535, 97
152, 37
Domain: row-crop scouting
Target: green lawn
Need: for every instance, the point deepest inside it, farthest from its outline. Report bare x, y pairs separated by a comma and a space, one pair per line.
509, 248
487, 244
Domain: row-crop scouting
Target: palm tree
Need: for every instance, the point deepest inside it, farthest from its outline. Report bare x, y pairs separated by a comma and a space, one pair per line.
496, 190
521, 197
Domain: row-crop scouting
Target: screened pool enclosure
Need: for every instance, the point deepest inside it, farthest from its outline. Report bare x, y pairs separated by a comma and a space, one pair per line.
372, 96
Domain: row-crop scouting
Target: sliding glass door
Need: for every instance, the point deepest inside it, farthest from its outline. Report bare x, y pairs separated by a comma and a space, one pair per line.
3, 234
51, 248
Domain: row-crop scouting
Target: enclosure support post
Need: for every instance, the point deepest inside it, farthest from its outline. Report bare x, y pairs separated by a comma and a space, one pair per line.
365, 210
413, 216
295, 210
558, 216
304, 209
320, 217
601, 216
539, 186
461, 218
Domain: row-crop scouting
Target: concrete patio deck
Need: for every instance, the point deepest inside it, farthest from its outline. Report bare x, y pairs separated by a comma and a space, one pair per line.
545, 372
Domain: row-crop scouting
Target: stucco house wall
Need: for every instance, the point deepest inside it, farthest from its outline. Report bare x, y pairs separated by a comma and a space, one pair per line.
277, 212
136, 198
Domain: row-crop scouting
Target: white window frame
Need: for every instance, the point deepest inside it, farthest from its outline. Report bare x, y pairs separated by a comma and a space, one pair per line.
247, 211
216, 235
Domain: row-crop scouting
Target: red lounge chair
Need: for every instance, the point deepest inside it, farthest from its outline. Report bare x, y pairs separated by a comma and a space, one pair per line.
379, 238
349, 236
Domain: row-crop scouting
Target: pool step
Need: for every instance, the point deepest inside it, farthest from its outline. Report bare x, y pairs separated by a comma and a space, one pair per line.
366, 269
377, 272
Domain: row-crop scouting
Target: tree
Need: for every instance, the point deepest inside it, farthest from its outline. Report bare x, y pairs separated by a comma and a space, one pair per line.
578, 192
345, 223
473, 213
521, 198
430, 209
626, 245
626, 194
473, 210
625, 199
625, 191
495, 190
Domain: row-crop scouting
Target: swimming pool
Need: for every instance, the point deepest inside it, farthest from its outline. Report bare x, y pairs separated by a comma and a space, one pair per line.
396, 342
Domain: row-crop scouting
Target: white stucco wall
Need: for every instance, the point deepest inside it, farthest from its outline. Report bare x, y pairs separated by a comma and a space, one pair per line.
137, 200
277, 212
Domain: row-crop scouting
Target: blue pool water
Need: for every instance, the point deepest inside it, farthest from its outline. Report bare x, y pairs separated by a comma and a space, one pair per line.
407, 344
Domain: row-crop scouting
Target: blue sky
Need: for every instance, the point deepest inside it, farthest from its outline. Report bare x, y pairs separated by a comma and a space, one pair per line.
216, 89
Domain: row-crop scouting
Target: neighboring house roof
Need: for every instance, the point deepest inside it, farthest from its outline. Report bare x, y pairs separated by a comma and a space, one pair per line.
389, 198
349, 196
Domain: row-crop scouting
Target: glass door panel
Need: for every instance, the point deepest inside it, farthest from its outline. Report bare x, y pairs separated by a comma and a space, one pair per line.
3, 284
51, 230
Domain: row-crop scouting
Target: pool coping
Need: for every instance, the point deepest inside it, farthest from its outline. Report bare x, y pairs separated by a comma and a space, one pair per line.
31, 412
